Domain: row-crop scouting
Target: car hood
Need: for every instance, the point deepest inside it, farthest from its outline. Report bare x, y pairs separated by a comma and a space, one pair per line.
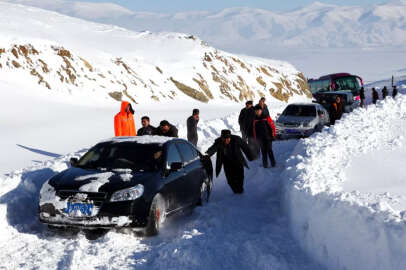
295, 119
86, 180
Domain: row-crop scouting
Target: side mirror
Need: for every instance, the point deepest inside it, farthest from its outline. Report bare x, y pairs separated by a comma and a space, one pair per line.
74, 162
176, 166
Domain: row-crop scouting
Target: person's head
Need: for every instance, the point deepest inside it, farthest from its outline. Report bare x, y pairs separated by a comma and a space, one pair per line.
258, 110
373, 89
164, 126
262, 101
145, 121
338, 99
226, 136
196, 113
394, 87
248, 104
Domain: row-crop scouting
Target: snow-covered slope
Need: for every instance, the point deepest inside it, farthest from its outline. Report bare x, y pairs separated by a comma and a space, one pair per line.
64, 54
345, 190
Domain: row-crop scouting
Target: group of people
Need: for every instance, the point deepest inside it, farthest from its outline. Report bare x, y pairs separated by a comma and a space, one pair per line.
375, 94
257, 128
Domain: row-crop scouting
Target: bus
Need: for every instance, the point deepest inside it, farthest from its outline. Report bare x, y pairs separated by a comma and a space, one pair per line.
337, 82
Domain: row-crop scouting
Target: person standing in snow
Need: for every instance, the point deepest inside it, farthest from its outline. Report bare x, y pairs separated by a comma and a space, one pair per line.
394, 91
362, 96
229, 149
265, 110
146, 129
375, 95
336, 110
264, 133
385, 92
167, 130
191, 124
245, 119
124, 121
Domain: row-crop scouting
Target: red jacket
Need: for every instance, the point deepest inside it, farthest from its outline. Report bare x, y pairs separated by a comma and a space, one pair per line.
269, 122
124, 122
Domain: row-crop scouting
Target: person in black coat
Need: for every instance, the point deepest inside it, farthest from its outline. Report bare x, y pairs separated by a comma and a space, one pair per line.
245, 118
264, 133
167, 130
146, 129
375, 95
362, 96
385, 92
191, 124
394, 91
265, 111
336, 110
229, 149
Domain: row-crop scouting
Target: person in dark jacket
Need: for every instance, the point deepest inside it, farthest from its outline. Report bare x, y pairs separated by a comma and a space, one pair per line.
191, 124
375, 95
167, 130
362, 96
146, 129
394, 91
229, 150
336, 110
245, 118
385, 92
264, 133
265, 110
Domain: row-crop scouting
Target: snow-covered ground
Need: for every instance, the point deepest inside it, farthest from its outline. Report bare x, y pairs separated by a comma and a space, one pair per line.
345, 190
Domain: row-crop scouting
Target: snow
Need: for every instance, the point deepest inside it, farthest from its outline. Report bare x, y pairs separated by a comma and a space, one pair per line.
338, 190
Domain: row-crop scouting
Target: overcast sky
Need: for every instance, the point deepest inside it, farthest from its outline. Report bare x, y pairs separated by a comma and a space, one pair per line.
213, 5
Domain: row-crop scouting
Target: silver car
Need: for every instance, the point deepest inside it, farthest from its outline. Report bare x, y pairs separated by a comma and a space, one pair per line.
301, 120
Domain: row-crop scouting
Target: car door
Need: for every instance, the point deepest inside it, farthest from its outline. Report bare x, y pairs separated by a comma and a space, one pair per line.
194, 172
173, 179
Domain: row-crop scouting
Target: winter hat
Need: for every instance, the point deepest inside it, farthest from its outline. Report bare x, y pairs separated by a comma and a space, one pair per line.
164, 123
195, 111
249, 102
225, 133
257, 107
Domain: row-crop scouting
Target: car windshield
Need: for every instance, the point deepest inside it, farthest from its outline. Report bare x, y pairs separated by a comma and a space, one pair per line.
347, 83
319, 86
298, 110
134, 156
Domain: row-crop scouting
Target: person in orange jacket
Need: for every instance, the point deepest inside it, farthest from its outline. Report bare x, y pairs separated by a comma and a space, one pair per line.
124, 121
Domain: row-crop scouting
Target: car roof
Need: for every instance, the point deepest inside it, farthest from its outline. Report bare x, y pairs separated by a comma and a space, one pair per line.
147, 139
302, 104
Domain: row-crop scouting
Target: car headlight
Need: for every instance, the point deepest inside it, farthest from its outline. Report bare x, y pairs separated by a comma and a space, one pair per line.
128, 194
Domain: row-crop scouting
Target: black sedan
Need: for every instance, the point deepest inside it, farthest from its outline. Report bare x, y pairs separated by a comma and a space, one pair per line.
127, 182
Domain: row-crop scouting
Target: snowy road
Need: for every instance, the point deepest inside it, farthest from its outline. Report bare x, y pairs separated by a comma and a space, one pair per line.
233, 232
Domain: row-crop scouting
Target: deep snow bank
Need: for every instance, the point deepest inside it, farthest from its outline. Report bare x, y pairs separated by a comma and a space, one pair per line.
347, 230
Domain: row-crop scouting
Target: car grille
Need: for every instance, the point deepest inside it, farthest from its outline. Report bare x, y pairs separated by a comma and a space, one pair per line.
93, 196
291, 124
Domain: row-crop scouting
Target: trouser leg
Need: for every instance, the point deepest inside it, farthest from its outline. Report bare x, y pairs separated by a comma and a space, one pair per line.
235, 176
264, 153
270, 153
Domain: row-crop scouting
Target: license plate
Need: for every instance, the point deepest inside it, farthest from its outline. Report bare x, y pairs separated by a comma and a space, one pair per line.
292, 131
74, 209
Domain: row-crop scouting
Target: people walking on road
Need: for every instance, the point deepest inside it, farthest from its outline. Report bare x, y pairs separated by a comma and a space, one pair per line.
394, 91
167, 130
245, 119
191, 124
229, 149
362, 97
124, 121
385, 92
265, 110
336, 110
375, 95
146, 129
264, 133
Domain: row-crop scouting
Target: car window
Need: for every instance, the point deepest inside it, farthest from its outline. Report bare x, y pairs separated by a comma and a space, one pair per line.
186, 152
173, 154
301, 111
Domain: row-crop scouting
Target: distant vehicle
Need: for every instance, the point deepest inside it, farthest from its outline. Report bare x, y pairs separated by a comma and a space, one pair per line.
127, 182
301, 120
337, 82
328, 98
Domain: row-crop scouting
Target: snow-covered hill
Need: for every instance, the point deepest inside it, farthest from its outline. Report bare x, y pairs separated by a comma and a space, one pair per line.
64, 54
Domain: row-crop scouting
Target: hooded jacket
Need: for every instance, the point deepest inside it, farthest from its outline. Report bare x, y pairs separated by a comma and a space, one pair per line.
124, 122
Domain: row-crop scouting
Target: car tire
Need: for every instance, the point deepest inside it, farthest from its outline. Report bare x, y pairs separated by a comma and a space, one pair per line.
157, 215
205, 191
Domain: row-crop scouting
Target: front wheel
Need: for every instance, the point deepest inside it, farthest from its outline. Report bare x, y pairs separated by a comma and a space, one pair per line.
205, 190
157, 215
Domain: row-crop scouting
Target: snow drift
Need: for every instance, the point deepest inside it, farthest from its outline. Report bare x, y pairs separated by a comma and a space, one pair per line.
341, 229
